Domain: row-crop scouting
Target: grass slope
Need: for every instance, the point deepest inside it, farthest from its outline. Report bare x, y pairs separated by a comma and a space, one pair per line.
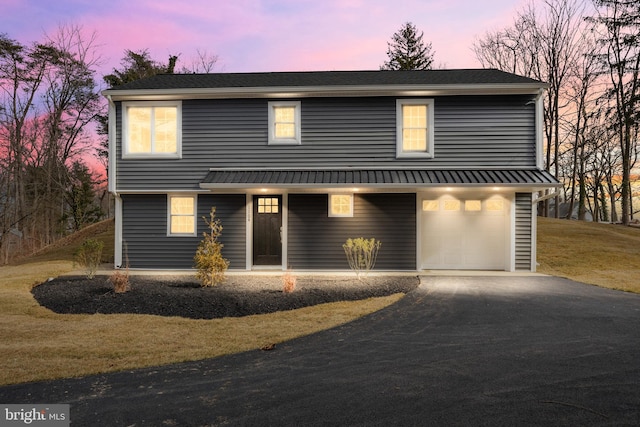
599, 254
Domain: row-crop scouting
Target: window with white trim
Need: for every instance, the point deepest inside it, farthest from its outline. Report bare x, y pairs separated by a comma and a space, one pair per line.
284, 122
181, 219
152, 129
341, 205
414, 128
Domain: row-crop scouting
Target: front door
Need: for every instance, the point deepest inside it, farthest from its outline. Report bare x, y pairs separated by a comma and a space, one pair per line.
267, 230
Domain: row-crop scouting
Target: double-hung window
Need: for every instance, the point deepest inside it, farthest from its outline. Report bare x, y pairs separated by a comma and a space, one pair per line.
284, 122
181, 219
152, 129
414, 123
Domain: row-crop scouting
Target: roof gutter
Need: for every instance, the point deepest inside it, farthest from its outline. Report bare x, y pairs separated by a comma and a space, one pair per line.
367, 186
323, 91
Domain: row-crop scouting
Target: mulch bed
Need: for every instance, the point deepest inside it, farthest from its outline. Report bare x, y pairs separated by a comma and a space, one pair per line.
240, 295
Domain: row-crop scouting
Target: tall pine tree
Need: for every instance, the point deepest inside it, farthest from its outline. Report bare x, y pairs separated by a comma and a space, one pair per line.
407, 51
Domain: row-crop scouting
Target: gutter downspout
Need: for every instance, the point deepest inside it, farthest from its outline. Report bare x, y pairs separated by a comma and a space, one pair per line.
117, 255
540, 129
540, 165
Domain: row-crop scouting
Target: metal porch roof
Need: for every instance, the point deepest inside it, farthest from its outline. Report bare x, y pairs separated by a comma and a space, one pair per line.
233, 178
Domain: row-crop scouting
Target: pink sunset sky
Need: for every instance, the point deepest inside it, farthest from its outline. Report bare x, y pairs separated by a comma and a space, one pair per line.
264, 35
261, 35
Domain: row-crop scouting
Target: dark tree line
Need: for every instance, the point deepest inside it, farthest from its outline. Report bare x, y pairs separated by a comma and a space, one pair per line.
48, 98
53, 123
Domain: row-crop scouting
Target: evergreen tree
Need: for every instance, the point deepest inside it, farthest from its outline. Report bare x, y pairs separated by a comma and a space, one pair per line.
138, 65
407, 51
81, 199
208, 258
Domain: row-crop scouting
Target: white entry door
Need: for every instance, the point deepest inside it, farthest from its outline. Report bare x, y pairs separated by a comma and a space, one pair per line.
464, 233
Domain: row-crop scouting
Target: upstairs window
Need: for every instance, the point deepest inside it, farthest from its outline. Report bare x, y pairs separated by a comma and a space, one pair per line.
414, 123
152, 129
284, 122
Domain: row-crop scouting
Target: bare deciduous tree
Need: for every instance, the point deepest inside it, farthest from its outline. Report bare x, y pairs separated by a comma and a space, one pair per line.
48, 97
618, 26
203, 62
551, 44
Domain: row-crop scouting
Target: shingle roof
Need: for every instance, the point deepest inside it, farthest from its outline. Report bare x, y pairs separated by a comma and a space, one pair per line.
232, 178
327, 78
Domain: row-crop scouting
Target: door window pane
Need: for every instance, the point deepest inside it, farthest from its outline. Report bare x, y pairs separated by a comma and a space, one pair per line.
268, 205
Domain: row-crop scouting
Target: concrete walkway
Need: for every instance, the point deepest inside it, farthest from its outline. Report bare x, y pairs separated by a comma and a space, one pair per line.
502, 350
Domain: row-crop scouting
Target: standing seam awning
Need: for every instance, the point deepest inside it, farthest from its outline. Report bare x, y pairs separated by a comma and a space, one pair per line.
232, 178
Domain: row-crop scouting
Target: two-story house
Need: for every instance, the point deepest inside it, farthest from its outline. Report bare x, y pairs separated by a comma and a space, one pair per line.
442, 166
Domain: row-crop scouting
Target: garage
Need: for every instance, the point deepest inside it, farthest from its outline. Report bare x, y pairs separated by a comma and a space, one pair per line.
464, 233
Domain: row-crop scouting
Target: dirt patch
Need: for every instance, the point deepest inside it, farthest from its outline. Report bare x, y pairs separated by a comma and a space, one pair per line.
182, 295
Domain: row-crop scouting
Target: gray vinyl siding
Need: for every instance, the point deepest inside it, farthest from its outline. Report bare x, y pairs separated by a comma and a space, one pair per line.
471, 132
524, 237
144, 233
315, 239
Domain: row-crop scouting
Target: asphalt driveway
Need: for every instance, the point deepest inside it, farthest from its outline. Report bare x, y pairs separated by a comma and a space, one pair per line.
457, 351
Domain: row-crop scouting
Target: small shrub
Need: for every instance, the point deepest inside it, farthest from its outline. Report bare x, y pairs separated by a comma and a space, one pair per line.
361, 254
120, 281
88, 256
288, 283
208, 259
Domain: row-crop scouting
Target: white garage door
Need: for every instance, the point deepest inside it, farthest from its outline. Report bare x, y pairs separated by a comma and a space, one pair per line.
464, 233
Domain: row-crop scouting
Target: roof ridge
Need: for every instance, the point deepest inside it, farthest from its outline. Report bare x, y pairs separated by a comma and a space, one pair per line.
329, 78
